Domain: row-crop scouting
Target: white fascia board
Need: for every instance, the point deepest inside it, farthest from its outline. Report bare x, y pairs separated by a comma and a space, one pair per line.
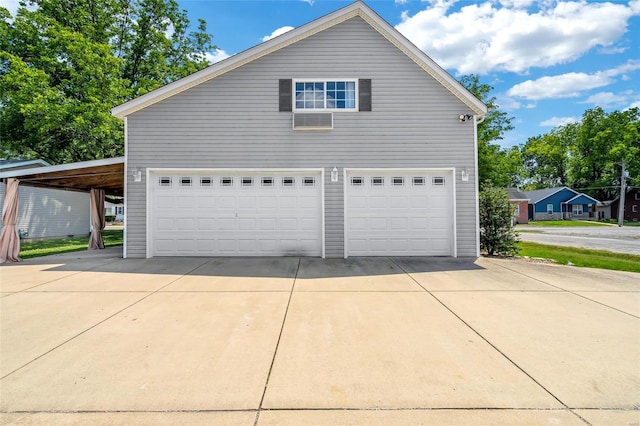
554, 193
581, 195
290, 37
63, 167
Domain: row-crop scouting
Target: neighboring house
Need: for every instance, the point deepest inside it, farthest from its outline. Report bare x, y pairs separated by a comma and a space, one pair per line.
560, 204
631, 205
45, 212
114, 209
338, 138
520, 203
603, 210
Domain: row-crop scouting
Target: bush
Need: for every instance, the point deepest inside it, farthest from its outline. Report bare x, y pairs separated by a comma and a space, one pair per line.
497, 235
109, 217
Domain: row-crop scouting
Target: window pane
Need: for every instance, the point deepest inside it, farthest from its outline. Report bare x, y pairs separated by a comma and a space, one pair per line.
331, 85
331, 103
351, 85
340, 104
340, 85
350, 104
319, 86
299, 87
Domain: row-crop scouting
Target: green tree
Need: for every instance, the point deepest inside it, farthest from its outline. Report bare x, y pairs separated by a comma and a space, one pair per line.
491, 158
497, 235
56, 95
603, 141
65, 63
546, 157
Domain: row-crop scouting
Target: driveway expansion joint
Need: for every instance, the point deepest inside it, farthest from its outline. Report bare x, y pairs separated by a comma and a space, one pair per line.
275, 352
488, 342
569, 291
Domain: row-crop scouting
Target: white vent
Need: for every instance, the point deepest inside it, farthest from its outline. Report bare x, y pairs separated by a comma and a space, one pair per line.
313, 121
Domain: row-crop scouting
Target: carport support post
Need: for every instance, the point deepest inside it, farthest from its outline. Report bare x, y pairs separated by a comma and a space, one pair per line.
623, 190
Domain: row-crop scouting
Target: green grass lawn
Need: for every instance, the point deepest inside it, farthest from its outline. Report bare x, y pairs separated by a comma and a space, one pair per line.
582, 257
64, 245
567, 223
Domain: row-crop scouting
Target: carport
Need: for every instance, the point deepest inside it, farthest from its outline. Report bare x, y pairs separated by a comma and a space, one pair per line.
98, 177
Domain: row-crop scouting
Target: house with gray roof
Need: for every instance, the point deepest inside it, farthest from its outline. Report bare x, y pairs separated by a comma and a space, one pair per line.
560, 204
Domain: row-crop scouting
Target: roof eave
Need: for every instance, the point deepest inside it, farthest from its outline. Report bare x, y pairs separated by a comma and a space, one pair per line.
62, 167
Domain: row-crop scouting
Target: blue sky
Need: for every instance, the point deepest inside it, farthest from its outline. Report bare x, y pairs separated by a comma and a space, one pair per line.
548, 60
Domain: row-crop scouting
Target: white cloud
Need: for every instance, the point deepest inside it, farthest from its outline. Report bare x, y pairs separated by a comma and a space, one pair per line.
310, 2
569, 85
401, 2
636, 104
216, 56
558, 121
605, 99
277, 32
11, 5
504, 36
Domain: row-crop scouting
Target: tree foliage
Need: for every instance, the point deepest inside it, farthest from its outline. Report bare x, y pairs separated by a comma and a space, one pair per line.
497, 235
496, 166
587, 155
65, 63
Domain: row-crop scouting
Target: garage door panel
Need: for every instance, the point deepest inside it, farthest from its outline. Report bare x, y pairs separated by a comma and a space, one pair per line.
227, 213
205, 224
398, 224
375, 202
406, 214
165, 202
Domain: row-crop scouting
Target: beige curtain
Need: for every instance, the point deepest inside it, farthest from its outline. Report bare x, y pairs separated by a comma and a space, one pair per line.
9, 239
97, 218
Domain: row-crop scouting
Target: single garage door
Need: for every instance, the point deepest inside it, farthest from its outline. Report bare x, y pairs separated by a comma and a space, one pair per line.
399, 213
222, 213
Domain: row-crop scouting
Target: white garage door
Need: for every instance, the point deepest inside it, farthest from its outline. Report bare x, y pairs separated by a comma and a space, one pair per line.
399, 213
221, 213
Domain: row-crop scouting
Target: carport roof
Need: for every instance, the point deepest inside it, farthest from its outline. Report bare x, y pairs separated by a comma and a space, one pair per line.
107, 174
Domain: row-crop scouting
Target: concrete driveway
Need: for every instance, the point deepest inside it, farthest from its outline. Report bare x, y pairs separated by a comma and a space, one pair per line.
625, 239
302, 341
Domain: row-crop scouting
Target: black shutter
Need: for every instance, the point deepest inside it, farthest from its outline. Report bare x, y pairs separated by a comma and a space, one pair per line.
364, 97
286, 102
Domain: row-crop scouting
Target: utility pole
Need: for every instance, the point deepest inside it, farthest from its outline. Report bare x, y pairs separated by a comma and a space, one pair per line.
623, 190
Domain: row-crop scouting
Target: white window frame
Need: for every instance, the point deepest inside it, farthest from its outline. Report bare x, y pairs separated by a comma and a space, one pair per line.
577, 209
549, 208
516, 210
634, 208
325, 81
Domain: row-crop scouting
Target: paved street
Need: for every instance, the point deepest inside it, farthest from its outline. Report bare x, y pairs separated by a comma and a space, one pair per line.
612, 238
91, 339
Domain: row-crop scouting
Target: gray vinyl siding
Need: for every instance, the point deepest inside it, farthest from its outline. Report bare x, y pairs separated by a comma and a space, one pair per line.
233, 121
49, 213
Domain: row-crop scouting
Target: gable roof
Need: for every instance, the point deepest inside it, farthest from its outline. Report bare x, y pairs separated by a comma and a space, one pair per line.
582, 195
357, 9
540, 194
516, 195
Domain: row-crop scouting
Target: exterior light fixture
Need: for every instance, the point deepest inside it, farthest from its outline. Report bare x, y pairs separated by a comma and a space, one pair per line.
136, 173
465, 117
464, 174
334, 175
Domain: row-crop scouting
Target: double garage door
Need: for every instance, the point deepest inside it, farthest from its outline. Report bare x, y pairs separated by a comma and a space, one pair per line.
280, 213
265, 213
